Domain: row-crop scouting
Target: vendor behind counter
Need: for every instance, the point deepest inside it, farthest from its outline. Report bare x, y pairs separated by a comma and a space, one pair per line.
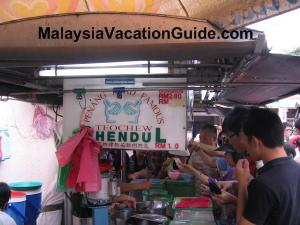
142, 164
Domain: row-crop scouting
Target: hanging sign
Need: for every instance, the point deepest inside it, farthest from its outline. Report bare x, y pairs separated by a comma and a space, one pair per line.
154, 120
119, 81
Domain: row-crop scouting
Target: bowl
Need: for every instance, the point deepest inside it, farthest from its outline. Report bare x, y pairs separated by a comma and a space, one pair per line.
25, 186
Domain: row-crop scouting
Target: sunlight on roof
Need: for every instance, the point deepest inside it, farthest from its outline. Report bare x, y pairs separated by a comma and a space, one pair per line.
282, 32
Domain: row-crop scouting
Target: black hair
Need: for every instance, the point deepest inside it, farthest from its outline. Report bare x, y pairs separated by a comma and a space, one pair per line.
264, 125
211, 128
289, 149
222, 140
236, 156
234, 119
5, 194
219, 139
297, 123
286, 124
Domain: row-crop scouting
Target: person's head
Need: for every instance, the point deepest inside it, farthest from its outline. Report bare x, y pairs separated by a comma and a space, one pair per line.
262, 133
232, 126
289, 149
208, 134
288, 130
297, 125
139, 154
231, 155
5, 194
182, 155
231, 159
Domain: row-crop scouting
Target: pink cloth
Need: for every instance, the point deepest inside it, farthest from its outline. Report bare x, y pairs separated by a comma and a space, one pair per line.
43, 123
82, 151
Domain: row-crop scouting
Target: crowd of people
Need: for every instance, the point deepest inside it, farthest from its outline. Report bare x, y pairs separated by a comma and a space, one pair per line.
262, 182
254, 161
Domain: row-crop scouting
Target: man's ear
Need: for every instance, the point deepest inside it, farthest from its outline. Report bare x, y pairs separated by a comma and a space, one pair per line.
256, 143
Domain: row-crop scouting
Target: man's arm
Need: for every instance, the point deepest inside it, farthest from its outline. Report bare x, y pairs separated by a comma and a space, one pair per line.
241, 202
192, 170
128, 187
243, 175
196, 146
142, 173
225, 198
210, 161
211, 150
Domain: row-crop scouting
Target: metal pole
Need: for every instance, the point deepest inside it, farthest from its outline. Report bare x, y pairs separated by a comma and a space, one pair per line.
123, 163
126, 89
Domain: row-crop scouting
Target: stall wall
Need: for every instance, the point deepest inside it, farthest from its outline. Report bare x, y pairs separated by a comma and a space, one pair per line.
31, 158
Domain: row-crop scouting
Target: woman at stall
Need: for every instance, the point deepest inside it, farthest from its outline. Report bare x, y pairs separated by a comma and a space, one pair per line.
140, 165
145, 164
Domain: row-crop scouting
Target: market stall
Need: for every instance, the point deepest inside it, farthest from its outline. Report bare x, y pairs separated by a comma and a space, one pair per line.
127, 119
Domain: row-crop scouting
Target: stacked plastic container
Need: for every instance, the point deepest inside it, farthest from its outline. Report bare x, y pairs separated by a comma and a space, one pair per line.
25, 205
193, 210
16, 207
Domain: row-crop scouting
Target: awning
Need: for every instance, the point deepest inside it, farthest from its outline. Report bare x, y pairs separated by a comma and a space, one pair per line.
227, 14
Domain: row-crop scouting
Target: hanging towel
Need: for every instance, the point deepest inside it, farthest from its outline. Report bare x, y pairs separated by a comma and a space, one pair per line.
0, 148
82, 151
4, 144
64, 171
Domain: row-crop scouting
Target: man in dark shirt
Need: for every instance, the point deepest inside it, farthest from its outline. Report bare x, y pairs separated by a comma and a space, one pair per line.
274, 195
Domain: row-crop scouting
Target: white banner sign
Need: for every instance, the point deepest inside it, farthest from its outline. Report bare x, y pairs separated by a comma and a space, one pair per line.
154, 120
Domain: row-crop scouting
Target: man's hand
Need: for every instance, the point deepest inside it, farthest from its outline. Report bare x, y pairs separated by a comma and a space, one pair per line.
189, 169
204, 189
128, 200
242, 171
132, 176
226, 185
225, 198
193, 145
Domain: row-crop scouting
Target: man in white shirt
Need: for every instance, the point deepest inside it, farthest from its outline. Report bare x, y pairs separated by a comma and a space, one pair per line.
200, 159
5, 194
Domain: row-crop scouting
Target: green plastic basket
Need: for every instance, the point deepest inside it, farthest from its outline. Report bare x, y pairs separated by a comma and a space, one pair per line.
181, 188
160, 186
157, 194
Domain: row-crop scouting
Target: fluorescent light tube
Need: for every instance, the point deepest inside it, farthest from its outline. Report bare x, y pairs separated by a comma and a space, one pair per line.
102, 69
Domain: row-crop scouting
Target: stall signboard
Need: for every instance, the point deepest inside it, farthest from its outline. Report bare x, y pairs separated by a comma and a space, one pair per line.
141, 120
